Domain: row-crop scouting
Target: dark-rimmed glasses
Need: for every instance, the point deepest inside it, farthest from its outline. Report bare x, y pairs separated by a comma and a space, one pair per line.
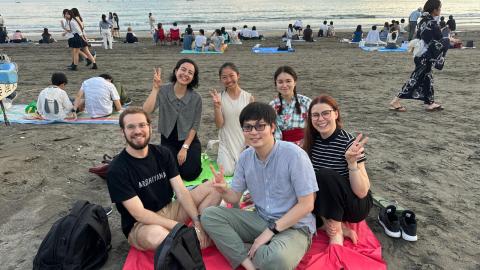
325, 114
257, 126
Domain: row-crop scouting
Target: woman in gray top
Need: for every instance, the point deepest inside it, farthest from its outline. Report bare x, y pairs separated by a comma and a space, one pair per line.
180, 110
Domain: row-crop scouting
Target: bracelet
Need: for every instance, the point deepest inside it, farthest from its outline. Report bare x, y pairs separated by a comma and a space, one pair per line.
354, 169
186, 146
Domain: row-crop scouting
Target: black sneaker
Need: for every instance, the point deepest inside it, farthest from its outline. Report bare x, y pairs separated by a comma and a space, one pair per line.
88, 62
387, 217
94, 66
408, 225
73, 67
108, 210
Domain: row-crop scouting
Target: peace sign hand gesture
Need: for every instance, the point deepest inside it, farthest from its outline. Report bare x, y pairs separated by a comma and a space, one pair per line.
157, 78
217, 99
356, 150
219, 182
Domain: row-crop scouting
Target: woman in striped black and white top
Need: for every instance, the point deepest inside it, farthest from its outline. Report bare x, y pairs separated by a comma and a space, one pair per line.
339, 162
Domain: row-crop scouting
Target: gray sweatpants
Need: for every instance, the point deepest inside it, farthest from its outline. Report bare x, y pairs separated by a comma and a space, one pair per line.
230, 228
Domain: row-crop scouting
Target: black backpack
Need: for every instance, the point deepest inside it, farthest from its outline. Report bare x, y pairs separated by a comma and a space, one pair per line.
80, 240
179, 250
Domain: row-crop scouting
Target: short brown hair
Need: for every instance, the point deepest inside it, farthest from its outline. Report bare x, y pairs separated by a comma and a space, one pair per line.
133, 110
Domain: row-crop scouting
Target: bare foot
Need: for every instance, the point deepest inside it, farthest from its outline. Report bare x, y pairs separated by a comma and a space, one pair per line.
347, 232
336, 239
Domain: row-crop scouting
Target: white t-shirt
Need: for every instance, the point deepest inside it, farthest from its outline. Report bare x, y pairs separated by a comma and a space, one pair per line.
246, 33
373, 37
54, 100
254, 34
324, 27
66, 27
99, 96
200, 41
298, 23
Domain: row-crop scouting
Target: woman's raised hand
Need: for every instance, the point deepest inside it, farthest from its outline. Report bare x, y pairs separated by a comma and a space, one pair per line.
216, 98
356, 150
157, 78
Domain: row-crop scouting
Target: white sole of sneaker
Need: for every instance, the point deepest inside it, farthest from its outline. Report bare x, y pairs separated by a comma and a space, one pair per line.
410, 238
388, 232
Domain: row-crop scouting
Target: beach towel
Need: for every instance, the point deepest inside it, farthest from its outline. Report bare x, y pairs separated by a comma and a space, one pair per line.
383, 49
16, 114
349, 41
206, 172
197, 52
367, 254
270, 50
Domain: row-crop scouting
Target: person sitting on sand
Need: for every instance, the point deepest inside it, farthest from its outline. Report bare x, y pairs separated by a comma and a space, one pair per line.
308, 34
451, 23
3, 36
373, 37
358, 34
234, 36
392, 39
180, 110
384, 32
217, 43
142, 181
225, 35
455, 41
46, 37
339, 161
188, 39
53, 102
98, 96
298, 26
291, 107
254, 34
200, 41
281, 228
289, 34
245, 34
130, 37
331, 30
18, 37
175, 34
322, 32
403, 26
227, 106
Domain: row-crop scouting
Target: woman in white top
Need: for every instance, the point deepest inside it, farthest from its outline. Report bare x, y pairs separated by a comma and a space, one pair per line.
373, 37
79, 40
67, 33
392, 39
227, 107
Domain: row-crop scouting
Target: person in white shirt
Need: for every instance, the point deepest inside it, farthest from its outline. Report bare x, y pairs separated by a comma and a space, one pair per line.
323, 29
99, 97
245, 33
151, 21
200, 41
53, 102
392, 39
373, 37
298, 25
234, 36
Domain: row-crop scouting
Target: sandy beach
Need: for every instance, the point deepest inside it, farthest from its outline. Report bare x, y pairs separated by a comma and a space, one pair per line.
427, 161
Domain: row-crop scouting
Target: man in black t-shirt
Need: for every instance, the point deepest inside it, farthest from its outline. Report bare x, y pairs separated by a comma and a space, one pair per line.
142, 180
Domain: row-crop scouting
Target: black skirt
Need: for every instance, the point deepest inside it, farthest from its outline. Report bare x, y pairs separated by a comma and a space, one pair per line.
77, 42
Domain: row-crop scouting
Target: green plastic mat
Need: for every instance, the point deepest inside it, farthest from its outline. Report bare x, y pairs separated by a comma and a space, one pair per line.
383, 202
206, 172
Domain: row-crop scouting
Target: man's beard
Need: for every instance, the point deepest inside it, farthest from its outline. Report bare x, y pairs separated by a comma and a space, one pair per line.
138, 146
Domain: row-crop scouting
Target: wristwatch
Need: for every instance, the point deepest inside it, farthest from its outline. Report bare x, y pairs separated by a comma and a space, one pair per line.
272, 226
186, 146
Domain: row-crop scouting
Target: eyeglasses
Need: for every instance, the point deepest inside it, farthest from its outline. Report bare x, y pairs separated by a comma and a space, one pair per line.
141, 126
325, 114
257, 126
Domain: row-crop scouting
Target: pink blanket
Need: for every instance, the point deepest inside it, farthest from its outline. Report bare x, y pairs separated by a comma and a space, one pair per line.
367, 254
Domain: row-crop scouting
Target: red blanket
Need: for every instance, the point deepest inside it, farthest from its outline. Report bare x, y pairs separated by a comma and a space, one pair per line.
367, 254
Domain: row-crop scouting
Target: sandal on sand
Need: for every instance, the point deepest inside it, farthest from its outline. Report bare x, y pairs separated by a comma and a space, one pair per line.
398, 109
439, 108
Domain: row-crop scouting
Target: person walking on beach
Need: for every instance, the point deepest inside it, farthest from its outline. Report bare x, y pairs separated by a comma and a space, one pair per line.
116, 26
180, 111
79, 40
151, 21
227, 106
281, 228
106, 32
420, 84
412, 22
142, 181
291, 107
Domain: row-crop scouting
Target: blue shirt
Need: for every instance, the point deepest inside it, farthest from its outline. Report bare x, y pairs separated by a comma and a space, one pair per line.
414, 16
276, 183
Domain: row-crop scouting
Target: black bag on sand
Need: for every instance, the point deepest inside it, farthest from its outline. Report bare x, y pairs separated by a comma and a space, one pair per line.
179, 251
80, 240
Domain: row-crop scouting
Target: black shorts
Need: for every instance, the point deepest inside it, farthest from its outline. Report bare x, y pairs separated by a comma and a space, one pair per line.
77, 42
297, 28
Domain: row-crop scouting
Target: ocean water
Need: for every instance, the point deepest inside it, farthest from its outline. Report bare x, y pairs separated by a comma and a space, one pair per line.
31, 16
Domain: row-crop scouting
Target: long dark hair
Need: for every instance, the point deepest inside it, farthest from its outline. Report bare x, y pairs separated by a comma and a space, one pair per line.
309, 131
431, 5
104, 18
76, 13
72, 17
195, 80
289, 70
